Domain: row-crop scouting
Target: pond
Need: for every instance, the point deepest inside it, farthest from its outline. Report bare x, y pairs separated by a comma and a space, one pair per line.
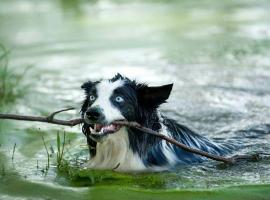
217, 54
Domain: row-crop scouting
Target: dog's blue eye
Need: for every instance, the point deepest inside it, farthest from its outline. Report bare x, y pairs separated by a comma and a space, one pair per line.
92, 97
119, 99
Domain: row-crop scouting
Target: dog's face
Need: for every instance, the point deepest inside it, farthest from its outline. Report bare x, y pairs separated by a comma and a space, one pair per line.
118, 99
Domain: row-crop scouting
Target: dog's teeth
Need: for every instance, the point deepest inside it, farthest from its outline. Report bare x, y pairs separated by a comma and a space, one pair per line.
98, 129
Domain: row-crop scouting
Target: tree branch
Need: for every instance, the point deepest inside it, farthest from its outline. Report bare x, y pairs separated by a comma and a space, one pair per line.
173, 141
51, 116
73, 122
49, 119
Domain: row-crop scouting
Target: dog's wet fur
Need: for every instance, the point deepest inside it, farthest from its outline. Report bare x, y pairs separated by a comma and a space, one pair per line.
128, 149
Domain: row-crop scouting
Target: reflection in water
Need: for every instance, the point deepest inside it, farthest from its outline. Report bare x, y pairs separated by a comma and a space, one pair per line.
216, 53
75, 6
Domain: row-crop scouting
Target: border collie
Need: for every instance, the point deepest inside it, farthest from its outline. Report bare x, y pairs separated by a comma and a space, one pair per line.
127, 149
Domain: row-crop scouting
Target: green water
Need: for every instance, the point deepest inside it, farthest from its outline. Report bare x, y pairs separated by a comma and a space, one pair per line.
215, 52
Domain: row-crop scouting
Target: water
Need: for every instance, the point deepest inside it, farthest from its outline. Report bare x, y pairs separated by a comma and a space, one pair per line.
216, 54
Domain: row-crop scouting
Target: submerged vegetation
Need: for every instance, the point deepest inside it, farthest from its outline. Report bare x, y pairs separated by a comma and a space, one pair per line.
10, 82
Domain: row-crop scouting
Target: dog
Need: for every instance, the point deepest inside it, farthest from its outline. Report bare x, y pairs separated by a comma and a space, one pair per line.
124, 148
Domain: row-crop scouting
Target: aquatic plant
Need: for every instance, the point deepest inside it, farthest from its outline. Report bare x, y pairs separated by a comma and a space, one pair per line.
60, 149
47, 153
10, 82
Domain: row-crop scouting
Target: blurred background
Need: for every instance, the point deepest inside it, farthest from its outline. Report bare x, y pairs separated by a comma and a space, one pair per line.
215, 52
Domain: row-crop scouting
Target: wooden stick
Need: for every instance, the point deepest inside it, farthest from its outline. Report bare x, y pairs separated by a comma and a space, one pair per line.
50, 119
173, 141
73, 122
51, 116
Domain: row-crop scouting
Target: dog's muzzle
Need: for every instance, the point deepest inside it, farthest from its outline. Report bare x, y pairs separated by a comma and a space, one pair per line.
94, 115
99, 128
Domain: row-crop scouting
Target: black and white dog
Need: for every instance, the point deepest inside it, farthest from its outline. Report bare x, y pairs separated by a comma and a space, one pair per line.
125, 149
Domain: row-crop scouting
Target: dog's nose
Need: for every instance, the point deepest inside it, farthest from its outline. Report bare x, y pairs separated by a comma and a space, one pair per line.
94, 114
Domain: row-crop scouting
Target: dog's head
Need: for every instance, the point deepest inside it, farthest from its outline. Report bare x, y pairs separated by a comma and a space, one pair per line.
119, 98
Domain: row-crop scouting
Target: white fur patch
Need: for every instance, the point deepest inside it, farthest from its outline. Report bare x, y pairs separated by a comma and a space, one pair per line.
167, 147
115, 153
104, 92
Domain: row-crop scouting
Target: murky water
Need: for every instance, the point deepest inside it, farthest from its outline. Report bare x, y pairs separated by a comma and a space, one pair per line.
216, 53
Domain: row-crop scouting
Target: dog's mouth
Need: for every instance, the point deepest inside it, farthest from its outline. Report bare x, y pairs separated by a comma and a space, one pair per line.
100, 131
104, 129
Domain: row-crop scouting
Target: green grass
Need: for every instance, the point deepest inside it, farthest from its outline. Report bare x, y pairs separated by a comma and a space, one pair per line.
10, 82
60, 149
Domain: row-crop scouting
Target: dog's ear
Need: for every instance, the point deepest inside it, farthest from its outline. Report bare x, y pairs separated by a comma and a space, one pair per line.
154, 96
87, 86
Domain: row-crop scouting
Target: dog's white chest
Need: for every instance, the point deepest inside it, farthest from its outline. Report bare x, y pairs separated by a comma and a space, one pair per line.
115, 153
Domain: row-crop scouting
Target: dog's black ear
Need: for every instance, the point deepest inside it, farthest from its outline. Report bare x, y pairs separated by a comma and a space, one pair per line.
87, 86
118, 76
154, 96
